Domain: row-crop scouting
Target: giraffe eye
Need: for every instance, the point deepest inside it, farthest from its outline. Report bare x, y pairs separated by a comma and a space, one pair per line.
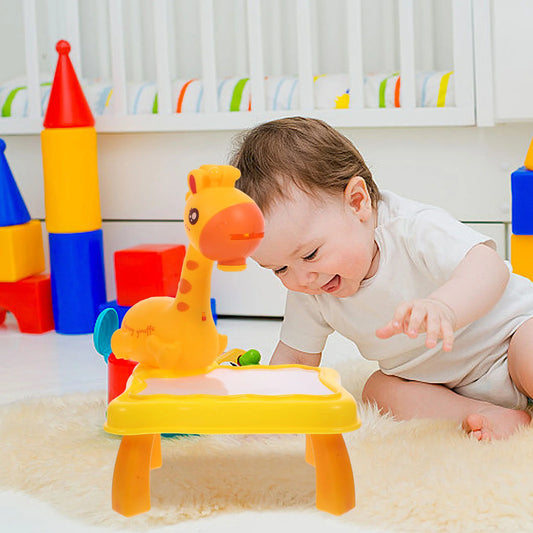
193, 215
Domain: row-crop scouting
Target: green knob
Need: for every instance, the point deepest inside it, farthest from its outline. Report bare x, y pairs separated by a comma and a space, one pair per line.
251, 357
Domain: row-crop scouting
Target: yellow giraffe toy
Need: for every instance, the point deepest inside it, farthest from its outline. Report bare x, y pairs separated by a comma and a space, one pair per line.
178, 334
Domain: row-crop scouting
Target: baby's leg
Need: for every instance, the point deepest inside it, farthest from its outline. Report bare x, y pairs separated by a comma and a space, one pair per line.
415, 399
520, 358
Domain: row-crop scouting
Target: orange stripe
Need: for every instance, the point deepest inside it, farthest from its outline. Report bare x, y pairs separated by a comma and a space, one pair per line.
250, 103
182, 95
397, 92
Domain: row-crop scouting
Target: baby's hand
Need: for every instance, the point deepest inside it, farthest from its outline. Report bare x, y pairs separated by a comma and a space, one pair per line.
432, 316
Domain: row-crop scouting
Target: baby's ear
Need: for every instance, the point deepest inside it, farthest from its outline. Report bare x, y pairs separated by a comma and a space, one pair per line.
356, 194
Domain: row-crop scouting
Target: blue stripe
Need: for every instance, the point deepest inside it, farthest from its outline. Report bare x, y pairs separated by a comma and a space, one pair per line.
199, 98
138, 96
424, 85
43, 99
289, 103
100, 105
25, 112
276, 93
219, 91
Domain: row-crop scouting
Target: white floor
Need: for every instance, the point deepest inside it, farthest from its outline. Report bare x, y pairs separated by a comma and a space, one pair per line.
52, 364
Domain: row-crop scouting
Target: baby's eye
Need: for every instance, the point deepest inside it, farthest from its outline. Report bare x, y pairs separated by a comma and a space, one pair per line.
280, 271
312, 255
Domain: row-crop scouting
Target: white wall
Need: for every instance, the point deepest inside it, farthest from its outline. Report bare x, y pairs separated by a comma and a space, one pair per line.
142, 185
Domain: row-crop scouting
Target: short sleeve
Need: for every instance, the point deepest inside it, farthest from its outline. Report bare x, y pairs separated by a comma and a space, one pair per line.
438, 242
304, 327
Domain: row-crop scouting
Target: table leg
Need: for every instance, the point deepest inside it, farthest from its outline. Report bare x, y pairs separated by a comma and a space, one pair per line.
157, 460
309, 453
335, 491
131, 479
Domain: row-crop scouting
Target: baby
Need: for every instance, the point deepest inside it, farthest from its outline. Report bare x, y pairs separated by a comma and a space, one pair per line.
425, 296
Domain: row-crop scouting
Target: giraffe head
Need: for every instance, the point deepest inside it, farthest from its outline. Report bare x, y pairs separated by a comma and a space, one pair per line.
222, 223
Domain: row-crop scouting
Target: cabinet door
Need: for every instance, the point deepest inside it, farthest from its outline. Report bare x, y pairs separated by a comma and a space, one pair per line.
513, 59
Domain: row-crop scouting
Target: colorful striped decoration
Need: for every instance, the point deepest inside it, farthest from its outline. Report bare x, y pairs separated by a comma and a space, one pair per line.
381, 90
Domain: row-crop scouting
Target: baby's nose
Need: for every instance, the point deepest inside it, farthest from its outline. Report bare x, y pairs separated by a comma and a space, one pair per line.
305, 278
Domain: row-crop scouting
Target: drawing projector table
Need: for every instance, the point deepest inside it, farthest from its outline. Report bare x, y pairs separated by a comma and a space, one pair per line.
230, 400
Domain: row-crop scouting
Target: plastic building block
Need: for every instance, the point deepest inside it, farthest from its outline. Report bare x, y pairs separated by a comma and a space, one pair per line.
120, 309
12, 207
69, 149
21, 251
522, 195
30, 301
147, 270
67, 106
78, 281
522, 255
528, 163
70, 167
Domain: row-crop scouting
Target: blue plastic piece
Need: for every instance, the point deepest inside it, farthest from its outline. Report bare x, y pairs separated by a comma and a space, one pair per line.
214, 310
78, 280
106, 325
13, 210
522, 201
121, 310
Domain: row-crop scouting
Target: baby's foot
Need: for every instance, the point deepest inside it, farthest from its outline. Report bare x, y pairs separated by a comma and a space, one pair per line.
495, 423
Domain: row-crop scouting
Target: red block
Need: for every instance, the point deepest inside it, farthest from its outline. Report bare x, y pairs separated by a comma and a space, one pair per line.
147, 270
30, 301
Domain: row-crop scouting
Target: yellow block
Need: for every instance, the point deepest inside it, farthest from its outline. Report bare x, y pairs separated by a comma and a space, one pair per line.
528, 163
70, 165
21, 251
522, 255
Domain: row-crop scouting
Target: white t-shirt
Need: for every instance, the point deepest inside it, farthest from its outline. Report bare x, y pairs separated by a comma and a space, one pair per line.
420, 247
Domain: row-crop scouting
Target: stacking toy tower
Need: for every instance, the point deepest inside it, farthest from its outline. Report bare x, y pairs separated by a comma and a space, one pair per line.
522, 217
72, 202
23, 289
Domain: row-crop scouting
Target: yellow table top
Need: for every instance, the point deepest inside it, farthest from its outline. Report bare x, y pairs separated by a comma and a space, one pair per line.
249, 399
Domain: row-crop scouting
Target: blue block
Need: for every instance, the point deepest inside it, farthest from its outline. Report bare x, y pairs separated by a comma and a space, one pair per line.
78, 280
13, 210
213, 303
522, 201
120, 309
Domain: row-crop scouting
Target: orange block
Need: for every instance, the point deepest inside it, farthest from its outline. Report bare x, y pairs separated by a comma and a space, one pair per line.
522, 255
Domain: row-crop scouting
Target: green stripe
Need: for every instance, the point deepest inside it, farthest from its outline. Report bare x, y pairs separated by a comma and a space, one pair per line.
6, 108
154, 107
383, 88
236, 97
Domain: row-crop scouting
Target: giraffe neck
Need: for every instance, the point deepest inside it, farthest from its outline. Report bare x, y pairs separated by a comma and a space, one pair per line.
193, 300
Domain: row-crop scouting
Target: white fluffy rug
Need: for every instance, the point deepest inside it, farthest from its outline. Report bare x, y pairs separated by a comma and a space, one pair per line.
409, 476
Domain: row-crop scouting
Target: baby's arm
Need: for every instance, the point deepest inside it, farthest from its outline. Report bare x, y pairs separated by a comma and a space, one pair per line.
285, 355
475, 286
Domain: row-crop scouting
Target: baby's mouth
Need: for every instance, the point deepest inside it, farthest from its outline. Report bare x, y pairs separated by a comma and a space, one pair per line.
332, 285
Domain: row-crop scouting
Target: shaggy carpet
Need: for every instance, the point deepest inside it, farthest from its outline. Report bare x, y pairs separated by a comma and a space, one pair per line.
409, 476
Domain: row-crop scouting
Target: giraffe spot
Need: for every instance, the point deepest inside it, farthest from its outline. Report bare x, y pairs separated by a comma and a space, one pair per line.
192, 265
184, 286
182, 306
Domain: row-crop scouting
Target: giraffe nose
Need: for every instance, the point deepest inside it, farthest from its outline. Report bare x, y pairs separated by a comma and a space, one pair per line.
232, 235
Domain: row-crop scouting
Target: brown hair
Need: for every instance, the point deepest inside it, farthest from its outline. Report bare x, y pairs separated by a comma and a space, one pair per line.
304, 152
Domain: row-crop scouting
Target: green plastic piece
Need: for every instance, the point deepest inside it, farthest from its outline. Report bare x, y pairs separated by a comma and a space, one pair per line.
251, 357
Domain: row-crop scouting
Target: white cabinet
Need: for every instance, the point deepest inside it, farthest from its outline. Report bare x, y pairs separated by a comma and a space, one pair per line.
512, 59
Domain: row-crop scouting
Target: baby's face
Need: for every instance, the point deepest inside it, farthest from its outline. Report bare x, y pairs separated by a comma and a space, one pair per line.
324, 246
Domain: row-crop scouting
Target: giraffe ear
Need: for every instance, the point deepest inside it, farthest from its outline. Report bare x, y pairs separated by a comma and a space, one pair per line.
191, 180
